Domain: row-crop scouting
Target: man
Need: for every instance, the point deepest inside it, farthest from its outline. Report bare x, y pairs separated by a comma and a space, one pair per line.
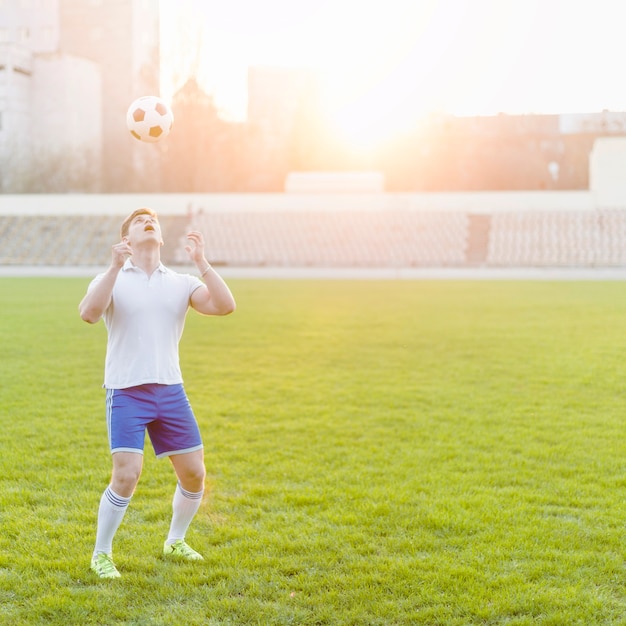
144, 305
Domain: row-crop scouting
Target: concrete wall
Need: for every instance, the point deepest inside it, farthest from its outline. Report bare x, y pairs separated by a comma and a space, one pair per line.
181, 204
607, 172
66, 107
340, 182
16, 68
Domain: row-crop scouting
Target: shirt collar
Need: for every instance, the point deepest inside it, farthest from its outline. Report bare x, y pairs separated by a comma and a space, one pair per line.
129, 265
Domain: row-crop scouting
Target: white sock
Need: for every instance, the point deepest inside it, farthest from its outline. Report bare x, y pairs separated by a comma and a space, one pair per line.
110, 516
184, 507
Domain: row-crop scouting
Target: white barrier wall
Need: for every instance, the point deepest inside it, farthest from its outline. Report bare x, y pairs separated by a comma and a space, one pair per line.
607, 172
181, 204
342, 182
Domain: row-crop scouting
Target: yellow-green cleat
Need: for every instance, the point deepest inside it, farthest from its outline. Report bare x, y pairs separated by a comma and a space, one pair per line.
180, 550
102, 564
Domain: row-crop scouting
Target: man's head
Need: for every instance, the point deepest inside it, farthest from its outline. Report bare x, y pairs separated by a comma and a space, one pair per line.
128, 221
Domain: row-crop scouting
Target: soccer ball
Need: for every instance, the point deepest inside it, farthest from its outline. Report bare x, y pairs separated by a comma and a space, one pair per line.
149, 119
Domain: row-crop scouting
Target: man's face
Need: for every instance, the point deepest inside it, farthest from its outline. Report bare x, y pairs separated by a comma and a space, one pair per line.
144, 228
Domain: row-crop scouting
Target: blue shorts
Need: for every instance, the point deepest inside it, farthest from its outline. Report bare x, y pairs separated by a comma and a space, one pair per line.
163, 410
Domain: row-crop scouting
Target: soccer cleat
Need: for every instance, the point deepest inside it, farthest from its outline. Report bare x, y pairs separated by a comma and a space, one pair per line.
179, 549
102, 564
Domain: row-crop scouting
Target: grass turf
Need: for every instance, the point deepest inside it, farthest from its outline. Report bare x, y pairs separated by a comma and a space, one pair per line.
379, 453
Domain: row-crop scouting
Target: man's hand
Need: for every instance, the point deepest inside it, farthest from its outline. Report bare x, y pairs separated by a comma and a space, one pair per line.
215, 297
195, 249
119, 253
96, 300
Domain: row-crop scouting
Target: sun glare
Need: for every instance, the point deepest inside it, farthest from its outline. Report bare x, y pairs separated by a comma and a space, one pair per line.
358, 50
383, 65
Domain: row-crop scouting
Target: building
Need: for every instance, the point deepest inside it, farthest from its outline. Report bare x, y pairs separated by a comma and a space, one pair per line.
68, 71
122, 38
281, 102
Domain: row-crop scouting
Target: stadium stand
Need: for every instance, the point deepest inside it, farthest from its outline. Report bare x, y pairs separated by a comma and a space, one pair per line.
342, 239
386, 238
55, 240
558, 238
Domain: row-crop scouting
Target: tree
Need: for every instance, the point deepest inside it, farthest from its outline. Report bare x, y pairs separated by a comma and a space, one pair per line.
186, 149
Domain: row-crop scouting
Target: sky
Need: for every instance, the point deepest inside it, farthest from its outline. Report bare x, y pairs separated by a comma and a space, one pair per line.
385, 64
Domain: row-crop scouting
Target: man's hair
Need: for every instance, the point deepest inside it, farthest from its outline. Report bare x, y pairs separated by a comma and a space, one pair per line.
132, 216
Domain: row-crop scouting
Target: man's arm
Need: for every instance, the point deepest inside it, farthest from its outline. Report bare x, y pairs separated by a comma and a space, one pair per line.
96, 301
215, 298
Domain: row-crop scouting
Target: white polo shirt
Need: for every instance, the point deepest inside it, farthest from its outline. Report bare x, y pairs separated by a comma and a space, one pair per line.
145, 321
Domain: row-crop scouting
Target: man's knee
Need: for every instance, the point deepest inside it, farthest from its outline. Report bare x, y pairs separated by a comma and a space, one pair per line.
195, 474
191, 472
126, 474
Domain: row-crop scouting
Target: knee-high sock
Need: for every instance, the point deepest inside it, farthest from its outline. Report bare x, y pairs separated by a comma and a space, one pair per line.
110, 516
184, 507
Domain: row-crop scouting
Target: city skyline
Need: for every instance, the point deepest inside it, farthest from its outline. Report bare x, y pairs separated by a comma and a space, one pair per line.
384, 65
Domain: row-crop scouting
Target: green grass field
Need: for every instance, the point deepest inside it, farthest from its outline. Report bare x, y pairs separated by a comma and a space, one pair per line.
379, 453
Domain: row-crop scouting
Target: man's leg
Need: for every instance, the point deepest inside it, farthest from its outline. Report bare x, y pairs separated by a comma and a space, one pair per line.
190, 470
113, 505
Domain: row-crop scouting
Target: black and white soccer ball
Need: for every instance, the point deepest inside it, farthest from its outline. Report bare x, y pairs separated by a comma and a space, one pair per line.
149, 119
